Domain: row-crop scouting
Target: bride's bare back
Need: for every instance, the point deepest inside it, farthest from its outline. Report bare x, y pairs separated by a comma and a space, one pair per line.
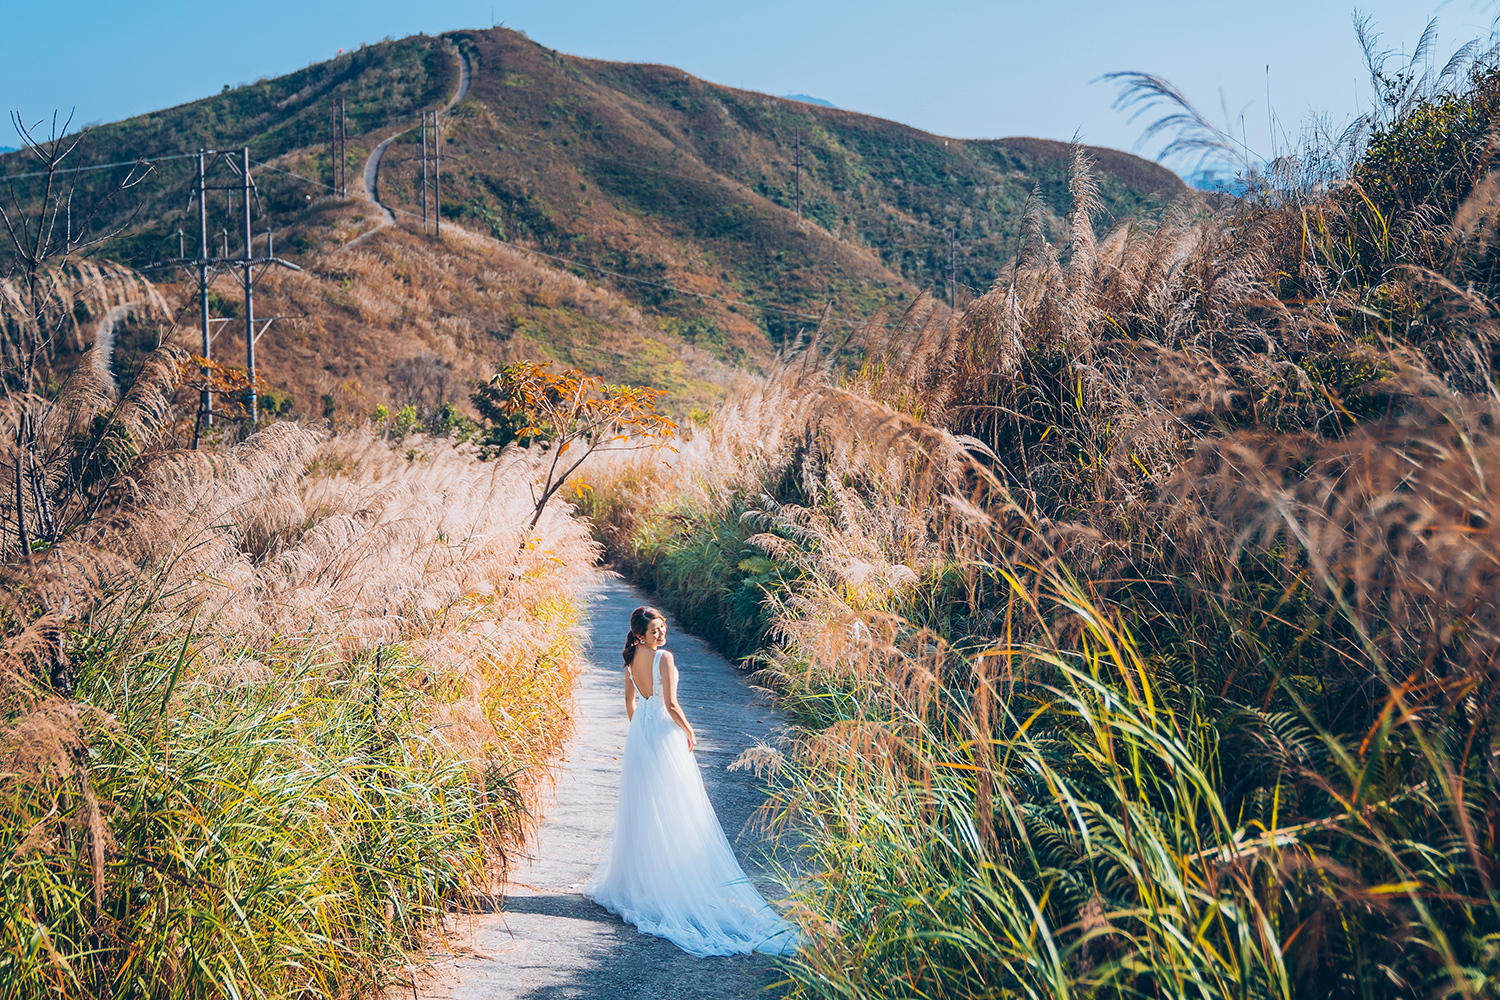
647, 658
640, 669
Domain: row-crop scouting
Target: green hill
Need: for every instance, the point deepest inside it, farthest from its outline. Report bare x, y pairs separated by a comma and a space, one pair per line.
675, 191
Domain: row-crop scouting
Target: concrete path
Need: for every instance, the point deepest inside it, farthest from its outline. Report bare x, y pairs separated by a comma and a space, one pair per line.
371, 174
550, 943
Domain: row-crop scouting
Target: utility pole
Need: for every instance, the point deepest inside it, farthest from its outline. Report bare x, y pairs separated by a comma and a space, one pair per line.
952, 267
338, 146
250, 400
797, 172
239, 163
205, 401
433, 155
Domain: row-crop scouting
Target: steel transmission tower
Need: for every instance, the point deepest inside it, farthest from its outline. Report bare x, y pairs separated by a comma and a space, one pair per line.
431, 154
237, 163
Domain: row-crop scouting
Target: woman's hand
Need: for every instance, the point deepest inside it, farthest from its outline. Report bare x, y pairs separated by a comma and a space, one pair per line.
692, 738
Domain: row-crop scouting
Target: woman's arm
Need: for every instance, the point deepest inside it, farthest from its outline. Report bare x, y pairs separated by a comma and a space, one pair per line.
629, 695
669, 699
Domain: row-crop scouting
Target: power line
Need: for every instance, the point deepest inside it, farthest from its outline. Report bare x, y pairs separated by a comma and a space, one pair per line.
579, 263
515, 246
341, 185
101, 166
144, 161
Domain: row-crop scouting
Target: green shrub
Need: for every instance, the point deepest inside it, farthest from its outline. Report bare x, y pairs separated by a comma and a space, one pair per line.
273, 827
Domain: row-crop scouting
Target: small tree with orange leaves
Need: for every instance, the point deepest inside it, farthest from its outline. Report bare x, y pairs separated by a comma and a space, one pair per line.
574, 415
230, 384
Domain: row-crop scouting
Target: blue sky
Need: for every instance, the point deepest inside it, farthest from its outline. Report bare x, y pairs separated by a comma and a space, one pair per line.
966, 69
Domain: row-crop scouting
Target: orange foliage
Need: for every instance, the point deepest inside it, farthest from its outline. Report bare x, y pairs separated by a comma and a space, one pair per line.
230, 384
576, 415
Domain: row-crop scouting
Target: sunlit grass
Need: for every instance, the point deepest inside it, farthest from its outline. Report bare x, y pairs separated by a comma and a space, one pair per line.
316, 716
1140, 626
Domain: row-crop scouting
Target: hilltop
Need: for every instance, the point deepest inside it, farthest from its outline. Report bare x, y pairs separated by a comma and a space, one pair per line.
676, 195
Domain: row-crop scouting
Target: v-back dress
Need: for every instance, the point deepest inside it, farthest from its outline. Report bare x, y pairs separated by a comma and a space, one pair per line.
670, 870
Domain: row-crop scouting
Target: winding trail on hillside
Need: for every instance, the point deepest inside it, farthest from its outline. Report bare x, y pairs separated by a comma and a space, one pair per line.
549, 942
371, 176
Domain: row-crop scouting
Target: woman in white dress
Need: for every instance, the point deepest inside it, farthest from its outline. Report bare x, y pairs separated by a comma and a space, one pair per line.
670, 870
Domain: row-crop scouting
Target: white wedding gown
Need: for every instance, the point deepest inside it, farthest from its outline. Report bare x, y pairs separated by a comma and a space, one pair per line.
670, 870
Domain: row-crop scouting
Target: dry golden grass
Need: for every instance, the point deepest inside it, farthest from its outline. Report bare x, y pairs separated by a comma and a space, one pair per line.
356, 321
1204, 502
67, 300
298, 537
298, 540
346, 652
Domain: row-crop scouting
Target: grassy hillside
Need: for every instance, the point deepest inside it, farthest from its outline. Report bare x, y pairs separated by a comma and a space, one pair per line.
1140, 624
268, 714
653, 173
650, 176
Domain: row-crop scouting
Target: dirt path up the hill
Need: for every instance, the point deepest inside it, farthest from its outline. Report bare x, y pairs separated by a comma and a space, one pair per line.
371, 175
549, 942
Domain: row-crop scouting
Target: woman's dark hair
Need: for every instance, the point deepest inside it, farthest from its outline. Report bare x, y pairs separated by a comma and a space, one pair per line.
640, 620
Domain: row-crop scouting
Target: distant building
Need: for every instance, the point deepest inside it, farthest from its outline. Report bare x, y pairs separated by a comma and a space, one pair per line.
1219, 179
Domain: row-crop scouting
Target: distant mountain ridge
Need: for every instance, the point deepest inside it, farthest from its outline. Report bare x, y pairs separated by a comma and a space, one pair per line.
675, 195
805, 99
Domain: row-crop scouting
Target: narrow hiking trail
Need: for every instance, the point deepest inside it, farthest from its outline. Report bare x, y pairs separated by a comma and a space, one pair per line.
549, 942
371, 174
